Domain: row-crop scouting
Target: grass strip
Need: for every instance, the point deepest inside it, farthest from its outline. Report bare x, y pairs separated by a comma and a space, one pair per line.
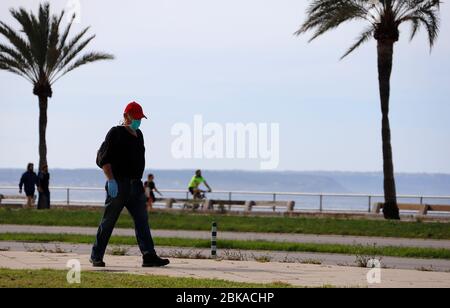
389, 251
57, 279
202, 222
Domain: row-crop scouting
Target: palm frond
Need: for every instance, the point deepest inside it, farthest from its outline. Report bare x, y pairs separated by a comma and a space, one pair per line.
6, 67
415, 27
52, 49
363, 38
13, 55
74, 51
65, 35
325, 15
9, 64
86, 59
65, 49
30, 25
21, 46
423, 13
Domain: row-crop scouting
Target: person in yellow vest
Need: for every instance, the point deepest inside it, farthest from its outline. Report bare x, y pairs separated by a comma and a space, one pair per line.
195, 182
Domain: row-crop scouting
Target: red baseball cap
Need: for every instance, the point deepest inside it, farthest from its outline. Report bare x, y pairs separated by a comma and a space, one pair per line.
135, 110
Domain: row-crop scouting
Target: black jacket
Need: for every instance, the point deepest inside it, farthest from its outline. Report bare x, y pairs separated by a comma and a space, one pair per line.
29, 179
125, 153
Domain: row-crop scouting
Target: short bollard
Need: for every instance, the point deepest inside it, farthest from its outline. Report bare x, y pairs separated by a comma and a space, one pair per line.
214, 240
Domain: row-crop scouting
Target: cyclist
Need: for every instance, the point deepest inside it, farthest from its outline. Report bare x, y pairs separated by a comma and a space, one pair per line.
194, 184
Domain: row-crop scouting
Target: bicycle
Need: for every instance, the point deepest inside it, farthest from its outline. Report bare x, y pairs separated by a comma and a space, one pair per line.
198, 197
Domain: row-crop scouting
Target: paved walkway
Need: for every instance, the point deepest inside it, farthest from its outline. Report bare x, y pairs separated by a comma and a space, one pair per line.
240, 271
236, 255
295, 238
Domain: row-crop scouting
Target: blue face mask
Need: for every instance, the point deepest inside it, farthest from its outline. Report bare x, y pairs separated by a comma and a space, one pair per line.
135, 124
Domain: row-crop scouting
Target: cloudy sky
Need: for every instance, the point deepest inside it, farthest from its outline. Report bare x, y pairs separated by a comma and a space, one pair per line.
235, 61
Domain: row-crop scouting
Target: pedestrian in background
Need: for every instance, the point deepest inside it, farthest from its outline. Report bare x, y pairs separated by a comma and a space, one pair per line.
29, 181
150, 188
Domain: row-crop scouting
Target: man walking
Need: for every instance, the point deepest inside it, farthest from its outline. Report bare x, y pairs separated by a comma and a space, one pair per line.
122, 158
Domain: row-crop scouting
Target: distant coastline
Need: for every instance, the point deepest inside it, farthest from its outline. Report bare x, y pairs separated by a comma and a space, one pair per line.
280, 181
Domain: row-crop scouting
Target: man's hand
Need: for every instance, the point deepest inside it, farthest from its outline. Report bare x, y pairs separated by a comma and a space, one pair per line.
113, 189
20, 191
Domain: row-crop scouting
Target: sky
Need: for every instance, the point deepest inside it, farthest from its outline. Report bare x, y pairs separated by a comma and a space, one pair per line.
234, 61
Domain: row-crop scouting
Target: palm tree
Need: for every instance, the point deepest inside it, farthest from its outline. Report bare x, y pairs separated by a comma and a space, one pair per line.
42, 54
384, 19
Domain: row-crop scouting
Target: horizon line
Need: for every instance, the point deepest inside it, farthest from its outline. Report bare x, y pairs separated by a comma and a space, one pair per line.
251, 171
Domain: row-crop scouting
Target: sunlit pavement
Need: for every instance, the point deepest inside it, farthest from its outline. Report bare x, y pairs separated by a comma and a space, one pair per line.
241, 255
239, 271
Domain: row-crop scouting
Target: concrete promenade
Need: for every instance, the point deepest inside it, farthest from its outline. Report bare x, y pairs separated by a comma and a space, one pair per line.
240, 271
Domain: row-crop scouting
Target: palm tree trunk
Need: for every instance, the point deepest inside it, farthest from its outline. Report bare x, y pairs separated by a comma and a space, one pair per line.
385, 55
43, 104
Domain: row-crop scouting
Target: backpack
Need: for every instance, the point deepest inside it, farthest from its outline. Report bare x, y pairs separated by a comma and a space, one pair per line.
102, 151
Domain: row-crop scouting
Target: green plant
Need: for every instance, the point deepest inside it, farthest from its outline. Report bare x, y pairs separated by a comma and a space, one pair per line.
262, 258
118, 251
311, 261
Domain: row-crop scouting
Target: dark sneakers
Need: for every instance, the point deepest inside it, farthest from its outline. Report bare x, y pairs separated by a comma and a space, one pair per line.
154, 261
96, 263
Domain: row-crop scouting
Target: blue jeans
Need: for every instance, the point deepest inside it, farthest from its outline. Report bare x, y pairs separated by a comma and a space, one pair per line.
132, 196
